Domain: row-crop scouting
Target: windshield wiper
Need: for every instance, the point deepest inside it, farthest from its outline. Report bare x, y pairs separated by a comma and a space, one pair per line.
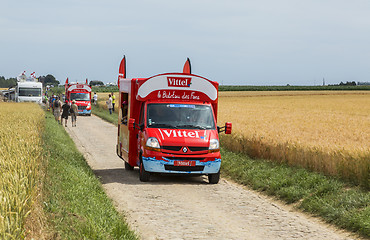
191, 126
163, 125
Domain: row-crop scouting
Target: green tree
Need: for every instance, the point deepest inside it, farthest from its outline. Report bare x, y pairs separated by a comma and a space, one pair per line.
7, 83
48, 80
96, 83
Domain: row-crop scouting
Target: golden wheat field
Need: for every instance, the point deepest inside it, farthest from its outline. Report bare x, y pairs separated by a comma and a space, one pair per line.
324, 131
21, 127
103, 97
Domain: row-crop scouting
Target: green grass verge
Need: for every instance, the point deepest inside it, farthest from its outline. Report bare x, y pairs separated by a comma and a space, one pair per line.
331, 199
104, 114
75, 203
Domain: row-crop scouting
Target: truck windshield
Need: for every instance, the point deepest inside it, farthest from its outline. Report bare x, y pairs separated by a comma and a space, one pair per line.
80, 96
30, 92
183, 116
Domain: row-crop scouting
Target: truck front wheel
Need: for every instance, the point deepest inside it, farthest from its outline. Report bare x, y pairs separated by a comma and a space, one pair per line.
214, 178
144, 175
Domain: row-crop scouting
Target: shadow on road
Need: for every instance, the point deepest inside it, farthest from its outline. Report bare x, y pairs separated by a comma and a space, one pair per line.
120, 175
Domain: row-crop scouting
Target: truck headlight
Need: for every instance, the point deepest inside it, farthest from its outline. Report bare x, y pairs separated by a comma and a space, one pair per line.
88, 105
153, 144
214, 145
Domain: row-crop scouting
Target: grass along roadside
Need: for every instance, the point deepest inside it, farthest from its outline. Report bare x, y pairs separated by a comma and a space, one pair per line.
337, 203
103, 113
75, 204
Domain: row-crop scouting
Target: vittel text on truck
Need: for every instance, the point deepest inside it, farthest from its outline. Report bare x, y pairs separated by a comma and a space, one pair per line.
168, 124
81, 93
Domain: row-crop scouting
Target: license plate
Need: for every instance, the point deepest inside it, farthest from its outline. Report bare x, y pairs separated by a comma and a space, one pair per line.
184, 163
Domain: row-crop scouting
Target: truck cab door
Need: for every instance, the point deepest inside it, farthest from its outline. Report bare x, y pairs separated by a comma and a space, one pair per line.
124, 136
141, 124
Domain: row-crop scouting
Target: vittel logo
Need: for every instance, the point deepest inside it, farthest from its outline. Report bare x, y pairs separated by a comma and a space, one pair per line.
180, 133
179, 81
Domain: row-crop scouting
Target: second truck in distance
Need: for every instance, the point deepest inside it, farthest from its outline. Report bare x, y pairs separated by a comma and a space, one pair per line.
81, 93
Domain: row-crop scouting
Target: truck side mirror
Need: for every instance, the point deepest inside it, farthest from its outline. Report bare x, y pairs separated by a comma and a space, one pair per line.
228, 127
131, 124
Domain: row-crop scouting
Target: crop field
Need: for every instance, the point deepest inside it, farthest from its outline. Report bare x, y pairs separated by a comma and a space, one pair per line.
20, 163
326, 131
103, 97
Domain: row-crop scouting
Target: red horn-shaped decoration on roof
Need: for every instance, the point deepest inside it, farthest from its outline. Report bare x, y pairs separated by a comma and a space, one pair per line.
122, 67
187, 67
86, 81
66, 85
122, 70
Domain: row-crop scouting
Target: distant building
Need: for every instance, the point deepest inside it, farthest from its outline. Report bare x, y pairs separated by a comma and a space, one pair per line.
363, 83
111, 84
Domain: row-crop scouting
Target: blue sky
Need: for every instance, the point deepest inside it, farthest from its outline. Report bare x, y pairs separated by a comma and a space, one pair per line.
234, 42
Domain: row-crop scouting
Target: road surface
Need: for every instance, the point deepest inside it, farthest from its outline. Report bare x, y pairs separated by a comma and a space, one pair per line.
178, 207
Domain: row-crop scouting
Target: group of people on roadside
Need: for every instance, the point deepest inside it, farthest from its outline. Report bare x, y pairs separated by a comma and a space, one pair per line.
110, 102
62, 111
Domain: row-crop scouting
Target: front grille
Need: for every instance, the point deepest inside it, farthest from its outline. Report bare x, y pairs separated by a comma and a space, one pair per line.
183, 168
195, 149
185, 158
172, 148
178, 148
81, 107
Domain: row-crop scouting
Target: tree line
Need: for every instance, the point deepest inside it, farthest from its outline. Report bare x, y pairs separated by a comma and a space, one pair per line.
46, 80
7, 83
12, 82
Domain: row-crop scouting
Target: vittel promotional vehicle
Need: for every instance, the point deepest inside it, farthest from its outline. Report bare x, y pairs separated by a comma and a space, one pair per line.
81, 93
28, 89
168, 124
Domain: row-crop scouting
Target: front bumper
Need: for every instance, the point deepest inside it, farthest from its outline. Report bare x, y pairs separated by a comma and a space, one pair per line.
84, 112
162, 164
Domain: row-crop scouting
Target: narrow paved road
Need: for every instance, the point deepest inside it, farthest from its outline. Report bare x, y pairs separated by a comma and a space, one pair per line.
175, 207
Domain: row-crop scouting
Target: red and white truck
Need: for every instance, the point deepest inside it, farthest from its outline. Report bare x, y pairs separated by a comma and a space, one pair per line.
168, 124
81, 93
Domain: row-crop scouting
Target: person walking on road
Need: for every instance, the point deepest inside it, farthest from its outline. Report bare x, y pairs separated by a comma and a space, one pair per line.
57, 109
109, 104
65, 113
95, 98
51, 102
113, 101
73, 111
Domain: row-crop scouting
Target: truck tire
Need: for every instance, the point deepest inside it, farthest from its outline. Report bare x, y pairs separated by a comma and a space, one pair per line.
214, 178
143, 175
128, 167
